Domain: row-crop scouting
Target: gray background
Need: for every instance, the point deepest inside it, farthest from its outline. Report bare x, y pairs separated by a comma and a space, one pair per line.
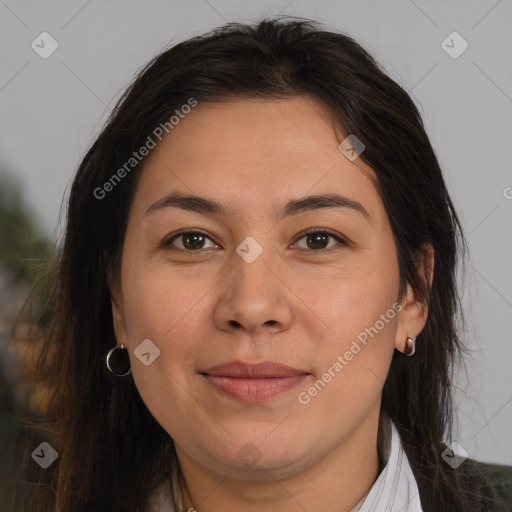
51, 109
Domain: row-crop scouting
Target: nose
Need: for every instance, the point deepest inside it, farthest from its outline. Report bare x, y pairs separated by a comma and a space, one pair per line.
254, 297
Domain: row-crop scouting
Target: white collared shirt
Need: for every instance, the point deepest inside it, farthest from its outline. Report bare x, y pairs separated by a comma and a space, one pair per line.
395, 489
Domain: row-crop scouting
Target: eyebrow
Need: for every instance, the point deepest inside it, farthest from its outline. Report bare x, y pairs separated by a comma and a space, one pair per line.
207, 206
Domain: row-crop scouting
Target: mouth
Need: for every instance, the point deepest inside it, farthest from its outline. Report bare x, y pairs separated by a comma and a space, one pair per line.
250, 382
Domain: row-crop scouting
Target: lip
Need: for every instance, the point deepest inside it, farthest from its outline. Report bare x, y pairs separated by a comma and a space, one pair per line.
254, 382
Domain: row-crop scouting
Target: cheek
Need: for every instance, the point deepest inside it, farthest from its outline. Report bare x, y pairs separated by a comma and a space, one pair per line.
171, 315
354, 299
168, 312
158, 302
359, 311
353, 361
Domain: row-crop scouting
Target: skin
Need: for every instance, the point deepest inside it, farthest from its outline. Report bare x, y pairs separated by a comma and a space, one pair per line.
295, 304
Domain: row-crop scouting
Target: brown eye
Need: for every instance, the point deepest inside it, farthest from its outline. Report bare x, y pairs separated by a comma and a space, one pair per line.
319, 240
190, 241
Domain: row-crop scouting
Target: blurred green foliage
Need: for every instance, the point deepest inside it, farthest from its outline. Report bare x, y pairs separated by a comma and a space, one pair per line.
24, 251
24, 258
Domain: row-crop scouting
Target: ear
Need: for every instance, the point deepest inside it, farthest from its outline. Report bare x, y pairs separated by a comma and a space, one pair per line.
118, 317
413, 314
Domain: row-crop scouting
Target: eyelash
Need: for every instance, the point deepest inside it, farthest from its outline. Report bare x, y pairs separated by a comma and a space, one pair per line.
167, 244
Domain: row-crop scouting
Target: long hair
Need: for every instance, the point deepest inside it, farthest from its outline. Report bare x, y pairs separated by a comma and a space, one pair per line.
112, 452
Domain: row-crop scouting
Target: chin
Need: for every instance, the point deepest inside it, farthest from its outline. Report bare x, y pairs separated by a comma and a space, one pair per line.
254, 456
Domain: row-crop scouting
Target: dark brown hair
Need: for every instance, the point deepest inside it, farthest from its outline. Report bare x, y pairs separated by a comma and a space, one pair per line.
112, 452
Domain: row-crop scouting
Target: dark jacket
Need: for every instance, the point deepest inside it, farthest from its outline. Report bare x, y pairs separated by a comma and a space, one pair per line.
493, 484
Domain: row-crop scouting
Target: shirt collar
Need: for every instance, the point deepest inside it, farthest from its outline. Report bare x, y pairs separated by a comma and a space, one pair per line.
395, 488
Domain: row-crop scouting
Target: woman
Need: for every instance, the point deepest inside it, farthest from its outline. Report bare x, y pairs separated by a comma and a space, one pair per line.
254, 304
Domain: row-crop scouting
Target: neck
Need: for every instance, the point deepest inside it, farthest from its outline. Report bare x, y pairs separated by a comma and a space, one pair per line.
336, 482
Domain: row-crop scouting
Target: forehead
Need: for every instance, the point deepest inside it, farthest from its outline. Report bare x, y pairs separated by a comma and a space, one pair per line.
252, 130
247, 151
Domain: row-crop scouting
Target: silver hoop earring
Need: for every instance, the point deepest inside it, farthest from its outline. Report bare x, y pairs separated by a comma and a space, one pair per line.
118, 361
410, 347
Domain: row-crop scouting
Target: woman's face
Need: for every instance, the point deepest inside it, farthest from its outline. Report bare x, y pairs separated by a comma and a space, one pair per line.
251, 287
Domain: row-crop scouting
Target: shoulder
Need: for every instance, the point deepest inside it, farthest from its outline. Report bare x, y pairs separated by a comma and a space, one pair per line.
490, 482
